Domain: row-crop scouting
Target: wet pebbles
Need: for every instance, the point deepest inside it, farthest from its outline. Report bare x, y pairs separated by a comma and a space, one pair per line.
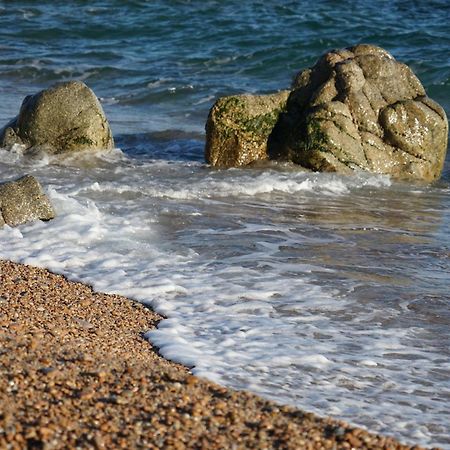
75, 372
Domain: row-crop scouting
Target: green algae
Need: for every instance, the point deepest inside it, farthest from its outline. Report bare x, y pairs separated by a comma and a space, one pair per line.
83, 140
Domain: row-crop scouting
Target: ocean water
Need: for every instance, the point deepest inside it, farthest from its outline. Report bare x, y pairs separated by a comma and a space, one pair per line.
326, 292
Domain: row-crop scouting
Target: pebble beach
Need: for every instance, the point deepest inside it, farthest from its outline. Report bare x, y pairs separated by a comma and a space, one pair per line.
77, 372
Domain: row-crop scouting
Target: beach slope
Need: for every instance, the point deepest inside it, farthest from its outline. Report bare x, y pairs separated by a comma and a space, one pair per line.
76, 372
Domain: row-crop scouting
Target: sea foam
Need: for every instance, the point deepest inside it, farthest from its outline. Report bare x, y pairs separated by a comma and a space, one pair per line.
271, 279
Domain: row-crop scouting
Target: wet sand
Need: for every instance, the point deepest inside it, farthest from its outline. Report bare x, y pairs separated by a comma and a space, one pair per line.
76, 372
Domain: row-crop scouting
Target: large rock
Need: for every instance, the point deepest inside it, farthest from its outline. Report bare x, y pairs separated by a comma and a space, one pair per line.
360, 109
23, 201
64, 118
238, 128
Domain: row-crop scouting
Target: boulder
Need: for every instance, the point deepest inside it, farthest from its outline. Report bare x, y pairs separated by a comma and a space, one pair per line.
360, 109
23, 201
238, 127
67, 117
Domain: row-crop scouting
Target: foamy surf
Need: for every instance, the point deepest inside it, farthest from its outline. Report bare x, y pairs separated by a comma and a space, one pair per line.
290, 284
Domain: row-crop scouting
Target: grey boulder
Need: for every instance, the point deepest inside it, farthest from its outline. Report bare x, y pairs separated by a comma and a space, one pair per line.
67, 117
360, 109
238, 128
23, 201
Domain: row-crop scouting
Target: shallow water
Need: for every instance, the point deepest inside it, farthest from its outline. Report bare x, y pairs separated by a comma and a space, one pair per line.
326, 292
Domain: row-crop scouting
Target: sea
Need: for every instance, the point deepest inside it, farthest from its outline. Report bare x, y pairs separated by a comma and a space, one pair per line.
330, 293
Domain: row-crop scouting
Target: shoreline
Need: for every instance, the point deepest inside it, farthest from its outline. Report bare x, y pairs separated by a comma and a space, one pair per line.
76, 371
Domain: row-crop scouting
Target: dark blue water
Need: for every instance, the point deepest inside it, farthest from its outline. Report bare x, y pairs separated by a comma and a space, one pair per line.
318, 290
164, 62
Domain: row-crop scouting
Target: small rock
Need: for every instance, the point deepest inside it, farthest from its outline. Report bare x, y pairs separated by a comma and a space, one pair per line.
24, 201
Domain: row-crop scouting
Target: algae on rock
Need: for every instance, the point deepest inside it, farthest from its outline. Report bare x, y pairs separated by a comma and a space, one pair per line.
360, 109
67, 117
238, 127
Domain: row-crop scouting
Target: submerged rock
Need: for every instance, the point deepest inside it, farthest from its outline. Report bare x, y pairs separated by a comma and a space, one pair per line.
67, 117
238, 127
23, 201
360, 109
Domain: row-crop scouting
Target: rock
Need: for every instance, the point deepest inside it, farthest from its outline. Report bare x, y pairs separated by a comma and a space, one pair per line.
67, 117
23, 201
360, 109
238, 127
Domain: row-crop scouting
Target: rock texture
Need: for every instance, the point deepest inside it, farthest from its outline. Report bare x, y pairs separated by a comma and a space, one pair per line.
64, 118
76, 373
238, 127
23, 201
360, 109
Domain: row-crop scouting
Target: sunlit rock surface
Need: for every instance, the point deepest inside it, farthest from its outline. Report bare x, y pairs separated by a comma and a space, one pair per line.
67, 117
360, 109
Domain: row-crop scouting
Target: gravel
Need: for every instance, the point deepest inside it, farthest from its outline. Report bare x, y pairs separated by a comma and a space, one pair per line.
76, 372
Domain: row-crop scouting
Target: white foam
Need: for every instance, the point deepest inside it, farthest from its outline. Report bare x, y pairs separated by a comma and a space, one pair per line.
254, 270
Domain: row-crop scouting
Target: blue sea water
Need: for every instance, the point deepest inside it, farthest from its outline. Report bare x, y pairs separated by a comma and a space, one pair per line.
326, 292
